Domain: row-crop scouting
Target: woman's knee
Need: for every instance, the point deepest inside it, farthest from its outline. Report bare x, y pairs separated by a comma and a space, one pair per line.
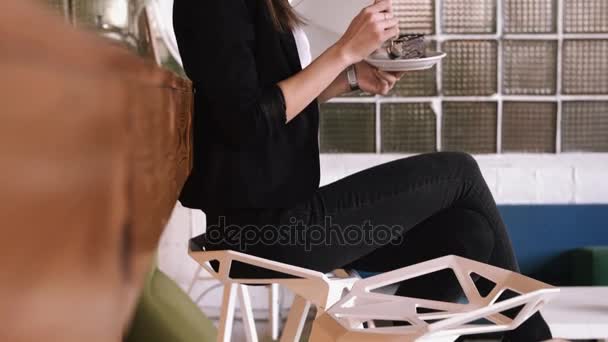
463, 163
442, 162
462, 159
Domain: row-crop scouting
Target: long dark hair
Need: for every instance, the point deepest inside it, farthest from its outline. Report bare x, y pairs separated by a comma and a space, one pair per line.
283, 15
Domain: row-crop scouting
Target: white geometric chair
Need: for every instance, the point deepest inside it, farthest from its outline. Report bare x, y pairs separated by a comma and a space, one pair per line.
309, 287
201, 275
352, 318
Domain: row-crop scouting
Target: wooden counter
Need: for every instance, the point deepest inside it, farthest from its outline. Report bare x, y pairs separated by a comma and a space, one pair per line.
95, 146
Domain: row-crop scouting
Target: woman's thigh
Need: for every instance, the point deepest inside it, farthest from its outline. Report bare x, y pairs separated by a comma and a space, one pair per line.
359, 214
453, 231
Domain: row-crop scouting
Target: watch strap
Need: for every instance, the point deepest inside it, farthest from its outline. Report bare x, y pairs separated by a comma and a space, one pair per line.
351, 75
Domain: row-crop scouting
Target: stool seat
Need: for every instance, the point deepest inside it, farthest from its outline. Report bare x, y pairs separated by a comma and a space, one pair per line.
197, 244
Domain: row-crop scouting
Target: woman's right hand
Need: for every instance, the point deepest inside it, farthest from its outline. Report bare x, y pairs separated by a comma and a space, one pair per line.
373, 26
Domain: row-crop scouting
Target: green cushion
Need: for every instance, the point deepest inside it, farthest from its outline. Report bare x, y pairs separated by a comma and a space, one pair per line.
590, 266
165, 313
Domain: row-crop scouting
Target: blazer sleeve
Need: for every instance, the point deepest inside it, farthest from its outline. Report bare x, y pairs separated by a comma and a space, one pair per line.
216, 39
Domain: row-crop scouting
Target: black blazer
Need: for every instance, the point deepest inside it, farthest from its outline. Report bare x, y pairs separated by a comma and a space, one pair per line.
245, 155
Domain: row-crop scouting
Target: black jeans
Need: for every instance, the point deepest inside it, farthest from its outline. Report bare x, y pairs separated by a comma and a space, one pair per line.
386, 217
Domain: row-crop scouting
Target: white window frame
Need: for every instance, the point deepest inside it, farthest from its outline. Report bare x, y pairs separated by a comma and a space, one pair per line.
437, 100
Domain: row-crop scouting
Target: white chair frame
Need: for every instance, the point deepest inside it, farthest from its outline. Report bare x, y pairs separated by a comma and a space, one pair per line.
310, 288
345, 320
347, 306
274, 302
274, 308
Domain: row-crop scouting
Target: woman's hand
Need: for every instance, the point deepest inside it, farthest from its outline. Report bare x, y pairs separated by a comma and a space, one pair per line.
374, 81
369, 30
321, 80
371, 80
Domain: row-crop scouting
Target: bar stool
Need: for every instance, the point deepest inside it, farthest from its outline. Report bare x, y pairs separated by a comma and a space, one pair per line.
354, 316
310, 288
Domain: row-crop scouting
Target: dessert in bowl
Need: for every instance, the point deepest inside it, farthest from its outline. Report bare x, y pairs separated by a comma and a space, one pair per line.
407, 46
405, 53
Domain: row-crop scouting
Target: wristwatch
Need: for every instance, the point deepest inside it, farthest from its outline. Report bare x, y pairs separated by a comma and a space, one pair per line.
351, 75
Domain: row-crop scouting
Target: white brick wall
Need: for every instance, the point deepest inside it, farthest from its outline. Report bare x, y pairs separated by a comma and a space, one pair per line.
513, 179
555, 185
591, 184
517, 185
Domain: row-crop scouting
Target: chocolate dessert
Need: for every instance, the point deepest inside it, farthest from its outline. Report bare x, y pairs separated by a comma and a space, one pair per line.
407, 46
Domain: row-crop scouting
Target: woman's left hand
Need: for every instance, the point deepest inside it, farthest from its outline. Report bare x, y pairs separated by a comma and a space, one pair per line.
374, 81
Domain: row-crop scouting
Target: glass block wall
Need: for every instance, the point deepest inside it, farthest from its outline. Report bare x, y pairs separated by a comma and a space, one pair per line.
61, 7
521, 76
87, 13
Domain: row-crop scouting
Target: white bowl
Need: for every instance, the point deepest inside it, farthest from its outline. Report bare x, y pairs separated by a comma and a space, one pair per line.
384, 63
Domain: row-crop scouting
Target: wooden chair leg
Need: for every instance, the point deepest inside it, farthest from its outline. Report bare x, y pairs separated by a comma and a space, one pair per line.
295, 320
224, 333
248, 321
274, 311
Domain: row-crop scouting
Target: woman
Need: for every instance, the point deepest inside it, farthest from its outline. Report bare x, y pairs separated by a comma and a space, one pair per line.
256, 156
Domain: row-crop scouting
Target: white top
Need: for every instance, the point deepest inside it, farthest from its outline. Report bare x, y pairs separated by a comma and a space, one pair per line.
303, 45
